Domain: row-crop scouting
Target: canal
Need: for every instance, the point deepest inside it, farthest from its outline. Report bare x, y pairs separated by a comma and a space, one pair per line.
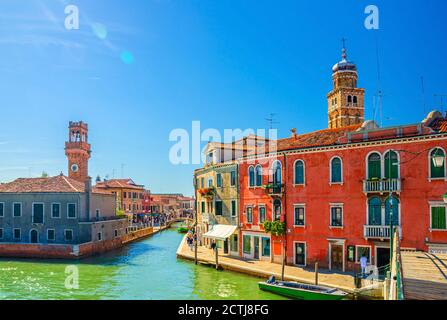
144, 270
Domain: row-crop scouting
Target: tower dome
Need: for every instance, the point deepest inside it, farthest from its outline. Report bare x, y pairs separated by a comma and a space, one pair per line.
344, 64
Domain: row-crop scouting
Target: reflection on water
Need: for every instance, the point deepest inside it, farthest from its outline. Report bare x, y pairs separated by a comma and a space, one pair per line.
143, 270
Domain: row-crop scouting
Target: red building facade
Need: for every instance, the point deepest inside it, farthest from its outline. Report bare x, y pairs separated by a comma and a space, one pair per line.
338, 190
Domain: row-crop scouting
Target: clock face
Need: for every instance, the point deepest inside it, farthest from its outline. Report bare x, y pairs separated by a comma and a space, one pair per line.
74, 167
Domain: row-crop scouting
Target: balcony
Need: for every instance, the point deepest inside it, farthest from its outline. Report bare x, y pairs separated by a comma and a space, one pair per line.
382, 186
274, 190
379, 232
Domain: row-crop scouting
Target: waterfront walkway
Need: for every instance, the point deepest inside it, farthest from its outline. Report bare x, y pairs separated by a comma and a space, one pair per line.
264, 269
424, 275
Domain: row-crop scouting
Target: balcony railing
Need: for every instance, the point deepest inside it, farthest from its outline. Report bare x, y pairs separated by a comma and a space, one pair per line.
379, 232
381, 186
274, 189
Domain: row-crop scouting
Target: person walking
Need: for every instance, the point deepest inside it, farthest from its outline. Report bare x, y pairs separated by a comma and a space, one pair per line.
363, 264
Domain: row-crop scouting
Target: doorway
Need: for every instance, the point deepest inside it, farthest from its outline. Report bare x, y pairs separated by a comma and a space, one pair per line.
383, 257
337, 257
256, 247
226, 246
34, 236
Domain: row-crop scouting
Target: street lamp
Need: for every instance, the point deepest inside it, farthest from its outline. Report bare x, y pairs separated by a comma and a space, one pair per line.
438, 160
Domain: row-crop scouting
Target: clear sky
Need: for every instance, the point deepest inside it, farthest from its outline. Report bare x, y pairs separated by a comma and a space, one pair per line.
135, 70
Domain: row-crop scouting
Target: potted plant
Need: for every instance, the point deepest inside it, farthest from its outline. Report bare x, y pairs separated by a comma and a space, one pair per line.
445, 197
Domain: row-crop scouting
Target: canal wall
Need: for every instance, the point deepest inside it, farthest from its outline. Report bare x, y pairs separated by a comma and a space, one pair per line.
69, 251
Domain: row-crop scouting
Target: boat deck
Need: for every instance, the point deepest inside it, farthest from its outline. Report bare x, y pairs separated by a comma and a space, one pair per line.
424, 275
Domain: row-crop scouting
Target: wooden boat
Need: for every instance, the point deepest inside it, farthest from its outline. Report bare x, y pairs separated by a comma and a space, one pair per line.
301, 291
182, 230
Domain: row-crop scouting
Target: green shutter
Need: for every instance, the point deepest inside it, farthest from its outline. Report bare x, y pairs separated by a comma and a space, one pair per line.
394, 166
374, 169
438, 218
436, 172
336, 170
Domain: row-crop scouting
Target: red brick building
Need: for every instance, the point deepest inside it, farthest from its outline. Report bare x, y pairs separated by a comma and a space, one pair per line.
339, 188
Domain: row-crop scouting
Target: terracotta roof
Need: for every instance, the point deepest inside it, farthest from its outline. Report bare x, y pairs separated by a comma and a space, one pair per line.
439, 125
326, 137
118, 183
57, 184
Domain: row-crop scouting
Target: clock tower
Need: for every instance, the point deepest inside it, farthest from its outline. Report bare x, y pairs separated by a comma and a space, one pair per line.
78, 151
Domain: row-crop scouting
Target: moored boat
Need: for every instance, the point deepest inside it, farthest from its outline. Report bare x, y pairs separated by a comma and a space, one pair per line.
301, 291
182, 229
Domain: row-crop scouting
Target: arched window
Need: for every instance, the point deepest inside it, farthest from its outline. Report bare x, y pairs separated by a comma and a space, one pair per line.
336, 170
391, 163
251, 177
299, 172
258, 176
374, 166
349, 99
277, 173
354, 99
437, 163
277, 209
374, 212
392, 207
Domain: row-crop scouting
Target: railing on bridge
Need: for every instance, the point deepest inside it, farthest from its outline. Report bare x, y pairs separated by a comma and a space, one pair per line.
395, 289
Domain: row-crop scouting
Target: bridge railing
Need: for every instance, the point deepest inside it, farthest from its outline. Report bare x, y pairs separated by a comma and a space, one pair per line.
395, 289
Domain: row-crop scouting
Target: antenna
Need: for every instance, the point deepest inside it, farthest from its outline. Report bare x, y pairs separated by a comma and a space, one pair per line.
441, 98
271, 120
122, 170
423, 96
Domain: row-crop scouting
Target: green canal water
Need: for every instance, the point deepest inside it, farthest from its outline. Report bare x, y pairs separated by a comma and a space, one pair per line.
143, 270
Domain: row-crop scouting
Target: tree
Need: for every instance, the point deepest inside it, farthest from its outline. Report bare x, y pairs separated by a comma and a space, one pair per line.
278, 229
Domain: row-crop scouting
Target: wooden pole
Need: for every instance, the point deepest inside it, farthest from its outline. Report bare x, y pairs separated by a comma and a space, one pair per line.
217, 255
283, 261
316, 273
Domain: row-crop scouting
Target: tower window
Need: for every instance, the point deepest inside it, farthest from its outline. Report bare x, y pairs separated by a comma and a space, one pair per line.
355, 100
349, 99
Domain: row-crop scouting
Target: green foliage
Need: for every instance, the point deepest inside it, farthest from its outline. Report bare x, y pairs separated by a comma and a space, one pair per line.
276, 228
120, 213
44, 174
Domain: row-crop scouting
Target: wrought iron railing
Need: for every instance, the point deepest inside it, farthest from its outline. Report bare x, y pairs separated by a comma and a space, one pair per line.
380, 186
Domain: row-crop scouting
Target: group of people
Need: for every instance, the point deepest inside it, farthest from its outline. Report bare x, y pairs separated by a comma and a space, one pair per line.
191, 239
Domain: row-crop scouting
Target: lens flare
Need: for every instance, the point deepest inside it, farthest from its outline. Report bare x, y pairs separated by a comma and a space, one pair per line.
99, 30
127, 57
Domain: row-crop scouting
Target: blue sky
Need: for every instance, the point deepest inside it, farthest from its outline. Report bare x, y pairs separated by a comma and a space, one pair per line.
225, 63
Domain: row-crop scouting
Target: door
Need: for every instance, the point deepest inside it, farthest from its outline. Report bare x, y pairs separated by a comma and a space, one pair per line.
256, 247
300, 254
34, 236
226, 246
336, 257
383, 257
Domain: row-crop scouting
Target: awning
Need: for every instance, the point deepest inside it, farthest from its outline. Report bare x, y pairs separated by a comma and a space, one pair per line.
220, 232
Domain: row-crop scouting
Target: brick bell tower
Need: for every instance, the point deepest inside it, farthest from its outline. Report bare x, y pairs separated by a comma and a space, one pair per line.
78, 151
345, 102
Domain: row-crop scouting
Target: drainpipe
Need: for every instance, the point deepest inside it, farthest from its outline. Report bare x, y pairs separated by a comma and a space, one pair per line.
88, 194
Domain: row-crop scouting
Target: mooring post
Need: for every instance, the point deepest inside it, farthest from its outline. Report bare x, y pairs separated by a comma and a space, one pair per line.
217, 255
316, 273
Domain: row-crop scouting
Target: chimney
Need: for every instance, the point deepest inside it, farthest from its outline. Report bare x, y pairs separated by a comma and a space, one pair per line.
293, 130
88, 195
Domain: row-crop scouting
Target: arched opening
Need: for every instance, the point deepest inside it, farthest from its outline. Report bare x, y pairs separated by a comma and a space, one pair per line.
277, 174
392, 211
437, 163
349, 100
299, 172
354, 99
251, 177
391, 165
374, 166
258, 176
336, 170
277, 209
34, 237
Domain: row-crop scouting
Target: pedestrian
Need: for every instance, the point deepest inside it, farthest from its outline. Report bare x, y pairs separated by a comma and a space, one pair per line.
363, 264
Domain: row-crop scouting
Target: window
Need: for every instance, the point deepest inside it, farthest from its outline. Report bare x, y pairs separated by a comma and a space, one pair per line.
277, 173
2, 209
219, 180
116, 233
336, 170
37, 214
202, 182
233, 178
71, 210
374, 166
299, 172
97, 213
262, 216
68, 234
249, 214
233, 208
55, 210
337, 216
1, 233
265, 247
438, 218
251, 177
391, 163
299, 216
374, 212
392, 207
437, 170
99, 236
203, 206
361, 251
354, 99
51, 235
125, 195
300, 253
17, 234
349, 99
210, 183
234, 243
247, 244
218, 208
258, 176
17, 209
277, 209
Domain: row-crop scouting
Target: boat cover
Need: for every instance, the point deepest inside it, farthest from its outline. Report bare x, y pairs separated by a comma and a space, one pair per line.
220, 232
